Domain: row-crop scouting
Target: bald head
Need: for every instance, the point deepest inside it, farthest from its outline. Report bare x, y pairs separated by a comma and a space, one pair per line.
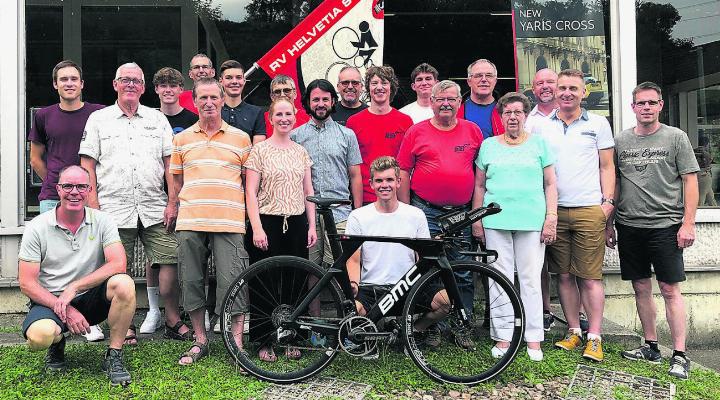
545, 85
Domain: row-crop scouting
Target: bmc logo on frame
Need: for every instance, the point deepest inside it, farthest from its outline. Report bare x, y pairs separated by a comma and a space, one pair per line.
399, 290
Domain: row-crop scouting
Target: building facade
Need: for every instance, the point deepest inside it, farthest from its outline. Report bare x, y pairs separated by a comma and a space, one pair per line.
673, 42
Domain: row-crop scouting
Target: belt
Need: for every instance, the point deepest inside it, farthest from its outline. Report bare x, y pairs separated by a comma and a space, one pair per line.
437, 207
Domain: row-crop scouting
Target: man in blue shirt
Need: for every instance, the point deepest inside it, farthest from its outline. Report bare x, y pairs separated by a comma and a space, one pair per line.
480, 106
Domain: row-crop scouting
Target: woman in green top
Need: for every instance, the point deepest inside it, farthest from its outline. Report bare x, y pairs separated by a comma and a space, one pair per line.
515, 170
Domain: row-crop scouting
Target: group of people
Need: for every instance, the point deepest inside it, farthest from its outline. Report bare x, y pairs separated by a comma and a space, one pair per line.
209, 173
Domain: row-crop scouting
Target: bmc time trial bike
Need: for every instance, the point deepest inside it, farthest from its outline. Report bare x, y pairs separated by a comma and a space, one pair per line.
306, 314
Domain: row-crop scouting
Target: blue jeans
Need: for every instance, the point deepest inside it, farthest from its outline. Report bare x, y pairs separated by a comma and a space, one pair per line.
465, 283
47, 205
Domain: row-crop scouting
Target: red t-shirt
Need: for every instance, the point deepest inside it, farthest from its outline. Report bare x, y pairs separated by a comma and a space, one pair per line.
441, 161
301, 117
186, 101
377, 136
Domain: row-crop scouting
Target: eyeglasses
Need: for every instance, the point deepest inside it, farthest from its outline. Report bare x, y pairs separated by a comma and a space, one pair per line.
68, 187
128, 81
285, 91
203, 66
441, 100
515, 113
479, 76
652, 103
348, 83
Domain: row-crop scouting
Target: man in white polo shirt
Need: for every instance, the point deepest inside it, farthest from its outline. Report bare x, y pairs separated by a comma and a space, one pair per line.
582, 141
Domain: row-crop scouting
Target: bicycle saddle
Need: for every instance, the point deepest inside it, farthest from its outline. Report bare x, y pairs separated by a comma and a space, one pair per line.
326, 201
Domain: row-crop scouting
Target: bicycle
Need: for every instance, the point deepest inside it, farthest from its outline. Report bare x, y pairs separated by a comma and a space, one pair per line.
301, 306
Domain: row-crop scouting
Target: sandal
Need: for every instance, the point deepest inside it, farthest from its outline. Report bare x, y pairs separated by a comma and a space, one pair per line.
173, 332
267, 354
293, 353
131, 338
204, 352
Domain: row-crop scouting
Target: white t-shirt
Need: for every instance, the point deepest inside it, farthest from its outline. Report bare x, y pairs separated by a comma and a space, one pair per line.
576, 148
386, 263
534, 118
417, 112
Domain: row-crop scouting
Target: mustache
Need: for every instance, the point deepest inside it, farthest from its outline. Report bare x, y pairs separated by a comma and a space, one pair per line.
446, 108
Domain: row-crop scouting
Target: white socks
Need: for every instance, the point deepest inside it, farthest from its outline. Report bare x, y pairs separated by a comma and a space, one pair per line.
153, 294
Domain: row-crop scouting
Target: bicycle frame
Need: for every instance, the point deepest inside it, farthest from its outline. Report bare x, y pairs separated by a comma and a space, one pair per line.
431, 254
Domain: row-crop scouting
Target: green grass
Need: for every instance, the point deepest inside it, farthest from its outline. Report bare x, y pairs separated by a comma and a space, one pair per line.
156, 374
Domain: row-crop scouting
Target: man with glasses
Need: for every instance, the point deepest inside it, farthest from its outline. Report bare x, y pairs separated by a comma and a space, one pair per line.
126, 148
200, 67
480, 106
422, 79
72, 267
236, 112
583, 144
657, 196
350, 88
437, 172
380, 128
283, 87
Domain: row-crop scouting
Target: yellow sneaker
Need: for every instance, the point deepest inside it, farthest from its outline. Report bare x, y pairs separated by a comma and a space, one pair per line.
571, 342
593, 350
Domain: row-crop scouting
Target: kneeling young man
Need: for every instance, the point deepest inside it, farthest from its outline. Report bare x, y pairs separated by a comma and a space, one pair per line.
376, 267
72, 267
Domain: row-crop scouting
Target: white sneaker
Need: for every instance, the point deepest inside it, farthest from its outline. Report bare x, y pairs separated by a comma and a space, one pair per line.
535, 354
207, 321
96, 334
216, 328
498, 352
153, 321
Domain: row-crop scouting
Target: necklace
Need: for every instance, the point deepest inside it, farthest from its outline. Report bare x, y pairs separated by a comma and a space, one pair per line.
514, 142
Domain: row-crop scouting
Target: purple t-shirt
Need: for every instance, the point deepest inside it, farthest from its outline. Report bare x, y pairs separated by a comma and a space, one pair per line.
60, 131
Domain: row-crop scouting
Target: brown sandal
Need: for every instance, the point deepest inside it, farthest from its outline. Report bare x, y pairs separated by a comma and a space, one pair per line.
173, 332
204, 352
131, 338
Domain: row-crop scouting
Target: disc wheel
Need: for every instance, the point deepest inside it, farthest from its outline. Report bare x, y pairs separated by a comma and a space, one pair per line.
447, 349
261, 298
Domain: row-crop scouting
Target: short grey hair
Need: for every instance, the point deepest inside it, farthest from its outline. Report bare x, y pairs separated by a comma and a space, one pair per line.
481, 60
207, 81
130, 65
445, 85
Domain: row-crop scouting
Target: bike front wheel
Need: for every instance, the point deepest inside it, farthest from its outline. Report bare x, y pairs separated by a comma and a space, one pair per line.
264, 296
450, 350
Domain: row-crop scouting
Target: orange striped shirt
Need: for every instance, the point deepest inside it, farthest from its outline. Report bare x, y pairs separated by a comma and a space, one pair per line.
212, 198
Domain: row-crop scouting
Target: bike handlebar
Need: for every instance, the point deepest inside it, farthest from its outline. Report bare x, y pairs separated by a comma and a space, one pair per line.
456, 221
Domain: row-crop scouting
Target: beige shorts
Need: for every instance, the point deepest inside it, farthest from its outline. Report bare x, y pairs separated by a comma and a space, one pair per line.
580, 245
160, 245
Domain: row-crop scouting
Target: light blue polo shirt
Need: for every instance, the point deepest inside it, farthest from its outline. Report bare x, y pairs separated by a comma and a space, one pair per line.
576, 147
65, 257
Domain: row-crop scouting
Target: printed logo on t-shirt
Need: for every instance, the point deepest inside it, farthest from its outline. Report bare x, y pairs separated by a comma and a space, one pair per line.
461, 148
392, 135
640, 158
83, 136
177, 130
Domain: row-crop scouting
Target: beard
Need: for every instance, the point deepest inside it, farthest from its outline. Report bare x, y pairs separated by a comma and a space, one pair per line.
315, 115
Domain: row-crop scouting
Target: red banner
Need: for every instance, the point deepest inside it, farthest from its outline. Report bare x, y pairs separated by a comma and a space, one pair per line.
286, 53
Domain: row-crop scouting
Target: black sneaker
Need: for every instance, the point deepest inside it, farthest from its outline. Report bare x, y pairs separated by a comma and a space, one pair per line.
463, 339
679, 367
55, 358
584, 323
113, 366
644, 352
548, 320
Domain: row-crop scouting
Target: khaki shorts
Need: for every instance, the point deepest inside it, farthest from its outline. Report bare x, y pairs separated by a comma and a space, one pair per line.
160, 246
321, 253
580, 245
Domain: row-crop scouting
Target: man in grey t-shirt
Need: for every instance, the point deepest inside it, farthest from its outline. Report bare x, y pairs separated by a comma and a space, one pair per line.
72, 267
655, 220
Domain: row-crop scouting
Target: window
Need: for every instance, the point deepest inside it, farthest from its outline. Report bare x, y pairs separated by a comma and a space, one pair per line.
678, 47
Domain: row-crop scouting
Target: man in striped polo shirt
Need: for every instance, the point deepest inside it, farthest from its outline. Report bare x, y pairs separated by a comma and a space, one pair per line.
207, 163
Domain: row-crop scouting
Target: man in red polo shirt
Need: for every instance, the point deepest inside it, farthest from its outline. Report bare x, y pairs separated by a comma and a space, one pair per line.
379, 128
438, 154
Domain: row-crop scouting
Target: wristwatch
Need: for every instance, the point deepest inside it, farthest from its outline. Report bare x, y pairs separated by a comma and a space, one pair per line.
611, 201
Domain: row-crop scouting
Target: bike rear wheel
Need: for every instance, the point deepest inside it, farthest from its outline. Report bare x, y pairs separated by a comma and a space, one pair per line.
450, 351
265, 294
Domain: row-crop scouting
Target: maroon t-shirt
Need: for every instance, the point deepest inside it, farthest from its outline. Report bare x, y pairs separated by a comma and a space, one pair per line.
377, 136
61, 132
441, 161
